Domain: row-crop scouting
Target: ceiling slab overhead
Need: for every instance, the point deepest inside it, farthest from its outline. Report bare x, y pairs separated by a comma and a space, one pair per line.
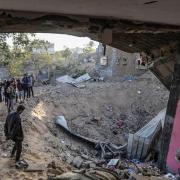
129, 25
157, 11
149, 26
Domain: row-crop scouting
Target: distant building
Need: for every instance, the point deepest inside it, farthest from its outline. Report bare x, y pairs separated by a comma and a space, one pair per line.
50, 50
114, 62
4, 74
77, 50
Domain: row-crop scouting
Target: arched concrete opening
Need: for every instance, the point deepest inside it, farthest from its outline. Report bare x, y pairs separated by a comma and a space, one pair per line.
131, 27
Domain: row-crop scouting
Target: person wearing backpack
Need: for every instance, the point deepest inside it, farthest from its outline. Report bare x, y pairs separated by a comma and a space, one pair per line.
13, 131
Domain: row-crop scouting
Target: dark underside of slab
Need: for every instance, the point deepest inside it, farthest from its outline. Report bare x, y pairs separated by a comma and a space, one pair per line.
157, 39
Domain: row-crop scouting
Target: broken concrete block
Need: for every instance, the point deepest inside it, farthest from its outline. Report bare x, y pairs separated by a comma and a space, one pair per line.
100, 162
92, 165
86, 164
54, 171
85, 156
52, 165
96, 119
89, 164
69, 159
113, 162
77, 162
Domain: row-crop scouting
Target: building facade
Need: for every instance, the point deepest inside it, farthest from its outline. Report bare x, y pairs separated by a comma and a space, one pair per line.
114, 62
4, 74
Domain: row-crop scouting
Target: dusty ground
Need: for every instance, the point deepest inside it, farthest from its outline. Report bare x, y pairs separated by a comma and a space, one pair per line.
104, 111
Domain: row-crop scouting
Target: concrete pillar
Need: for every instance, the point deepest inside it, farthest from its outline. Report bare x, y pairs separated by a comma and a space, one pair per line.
170, 139
172, 163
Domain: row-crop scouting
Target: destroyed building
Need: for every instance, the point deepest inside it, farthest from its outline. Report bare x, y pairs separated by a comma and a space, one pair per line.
4, 74
114, 62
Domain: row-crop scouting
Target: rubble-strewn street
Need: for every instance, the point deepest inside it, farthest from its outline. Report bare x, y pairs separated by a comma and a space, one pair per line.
104, 111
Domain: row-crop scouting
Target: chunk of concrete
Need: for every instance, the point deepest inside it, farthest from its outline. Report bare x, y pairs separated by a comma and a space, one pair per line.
86, 157
69, 159
92, 165
77, 161
89, 164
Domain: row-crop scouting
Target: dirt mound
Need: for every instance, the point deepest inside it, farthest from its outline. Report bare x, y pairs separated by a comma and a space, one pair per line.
105, 111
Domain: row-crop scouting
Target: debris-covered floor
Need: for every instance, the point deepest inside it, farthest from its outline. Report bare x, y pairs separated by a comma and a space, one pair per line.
104, 111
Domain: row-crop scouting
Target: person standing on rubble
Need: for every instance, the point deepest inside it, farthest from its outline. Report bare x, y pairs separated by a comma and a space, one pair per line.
1, 89
31, 85
13, 130
25, 86
19, 88
6, 85
11, 95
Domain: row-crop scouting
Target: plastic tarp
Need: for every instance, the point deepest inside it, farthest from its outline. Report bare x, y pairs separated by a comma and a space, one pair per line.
68, 79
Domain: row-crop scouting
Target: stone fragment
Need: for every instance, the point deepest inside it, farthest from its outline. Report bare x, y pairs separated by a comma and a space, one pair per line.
92, 165
77, 162
69, 159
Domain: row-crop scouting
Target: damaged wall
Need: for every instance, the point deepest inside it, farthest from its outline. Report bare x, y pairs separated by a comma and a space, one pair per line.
118, 63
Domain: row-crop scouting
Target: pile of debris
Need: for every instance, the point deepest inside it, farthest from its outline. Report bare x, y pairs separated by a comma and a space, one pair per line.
117, 169
105, 112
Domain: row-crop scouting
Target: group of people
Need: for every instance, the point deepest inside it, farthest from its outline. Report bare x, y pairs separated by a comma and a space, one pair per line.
16, 90
11, 92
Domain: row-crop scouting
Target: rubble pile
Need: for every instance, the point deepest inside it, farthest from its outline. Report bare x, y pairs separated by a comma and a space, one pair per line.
103, 111
107, 110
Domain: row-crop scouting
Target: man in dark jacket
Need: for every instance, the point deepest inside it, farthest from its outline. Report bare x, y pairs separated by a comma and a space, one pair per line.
13, 130
25, 86
1, 89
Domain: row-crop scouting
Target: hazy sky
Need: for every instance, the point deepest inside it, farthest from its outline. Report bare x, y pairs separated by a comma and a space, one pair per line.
61, 40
